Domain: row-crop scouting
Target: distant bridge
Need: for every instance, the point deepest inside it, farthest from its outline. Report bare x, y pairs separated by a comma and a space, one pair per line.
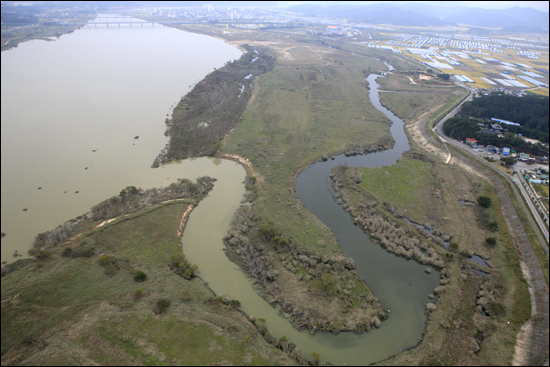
148, 24
152, 24
95, 24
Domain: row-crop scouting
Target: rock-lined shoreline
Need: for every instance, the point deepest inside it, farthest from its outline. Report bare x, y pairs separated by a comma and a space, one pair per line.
384, 232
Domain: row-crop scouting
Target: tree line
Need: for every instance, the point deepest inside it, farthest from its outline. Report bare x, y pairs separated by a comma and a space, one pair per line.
460, 128
130, 200
208, 112
531, 112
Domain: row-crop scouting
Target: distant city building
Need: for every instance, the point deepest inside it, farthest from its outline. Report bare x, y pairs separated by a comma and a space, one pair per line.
505, 151
470, 141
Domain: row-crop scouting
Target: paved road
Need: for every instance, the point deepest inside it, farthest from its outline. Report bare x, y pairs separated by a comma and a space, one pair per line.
542, 225
528, 193
532, 340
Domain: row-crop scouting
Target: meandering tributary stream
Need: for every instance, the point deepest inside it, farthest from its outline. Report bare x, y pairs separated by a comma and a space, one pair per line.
70, 111
401, 285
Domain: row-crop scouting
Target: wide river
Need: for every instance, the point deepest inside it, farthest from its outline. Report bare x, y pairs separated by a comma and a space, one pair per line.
94, 89
98, 89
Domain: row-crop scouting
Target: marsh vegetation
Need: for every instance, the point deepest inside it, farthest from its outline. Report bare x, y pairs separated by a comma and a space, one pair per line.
88, 308
213, 107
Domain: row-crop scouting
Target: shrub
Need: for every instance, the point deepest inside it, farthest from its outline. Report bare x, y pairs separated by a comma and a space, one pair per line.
280, 241
267, 231
497, 309
492, 226
140, 276
509, 161
180, 266
315, 358
453, 246
491, 241
235, 303
68, 252
326, 283
484, 201
216, 146
104, 260
138, 293
464, 253
186, 295
88, 252
162, 305
43, 254
282, 343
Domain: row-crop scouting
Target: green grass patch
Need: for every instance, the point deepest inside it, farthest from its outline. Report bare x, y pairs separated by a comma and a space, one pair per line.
150, 238
164, 341
305, 108
410, 106
404, 184
77, 303
541, 189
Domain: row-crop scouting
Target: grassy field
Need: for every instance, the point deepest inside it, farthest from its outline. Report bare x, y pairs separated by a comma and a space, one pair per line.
313, 103
539, 91
410, 106
427, 191
65, 310
522, 216
541, 189
405, 183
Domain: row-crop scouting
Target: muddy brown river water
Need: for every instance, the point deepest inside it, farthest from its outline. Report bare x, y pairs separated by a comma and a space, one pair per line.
70, 111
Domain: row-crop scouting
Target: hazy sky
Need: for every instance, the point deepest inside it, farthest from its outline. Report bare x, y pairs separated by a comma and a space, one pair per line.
539, 5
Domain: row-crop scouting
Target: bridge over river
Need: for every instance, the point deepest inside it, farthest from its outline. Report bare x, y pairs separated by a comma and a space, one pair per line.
132, 23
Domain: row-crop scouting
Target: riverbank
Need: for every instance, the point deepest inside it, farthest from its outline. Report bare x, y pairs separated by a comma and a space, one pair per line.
129, 201
319, 293
298, 117
91, 313
287, 274
213, 108
13, 36
433, 202
530, 347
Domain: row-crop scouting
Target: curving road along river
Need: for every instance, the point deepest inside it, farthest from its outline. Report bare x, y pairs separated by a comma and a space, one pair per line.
401, 285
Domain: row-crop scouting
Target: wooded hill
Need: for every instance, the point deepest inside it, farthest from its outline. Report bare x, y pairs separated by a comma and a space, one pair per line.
208, 112
531, 112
